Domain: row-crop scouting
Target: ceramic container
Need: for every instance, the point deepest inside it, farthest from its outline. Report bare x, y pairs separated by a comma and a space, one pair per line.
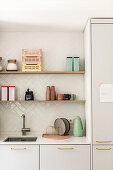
48, 93
4, 93
59, 96
73, 97
78, 127
76, 63
53, 93
12, 66
12, 91
69, 61
66, 97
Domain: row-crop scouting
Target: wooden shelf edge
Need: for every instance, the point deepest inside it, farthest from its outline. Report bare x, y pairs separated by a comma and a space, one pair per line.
45, 101
43, 72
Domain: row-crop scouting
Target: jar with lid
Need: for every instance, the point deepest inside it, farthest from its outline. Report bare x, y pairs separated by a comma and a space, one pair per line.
1, 68
12, 66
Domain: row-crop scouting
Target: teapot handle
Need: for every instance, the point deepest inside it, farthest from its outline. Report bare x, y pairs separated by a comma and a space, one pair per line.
83, 123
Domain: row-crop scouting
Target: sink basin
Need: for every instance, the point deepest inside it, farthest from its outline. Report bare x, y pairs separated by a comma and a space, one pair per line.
20, 139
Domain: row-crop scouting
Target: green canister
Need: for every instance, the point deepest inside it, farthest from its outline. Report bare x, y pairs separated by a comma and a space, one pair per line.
78, 127
76, 63
69, 63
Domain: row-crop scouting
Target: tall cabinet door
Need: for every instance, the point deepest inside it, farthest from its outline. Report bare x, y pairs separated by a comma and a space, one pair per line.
102, 72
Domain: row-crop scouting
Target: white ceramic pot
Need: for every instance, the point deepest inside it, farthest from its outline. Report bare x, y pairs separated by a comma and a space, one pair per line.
12, 66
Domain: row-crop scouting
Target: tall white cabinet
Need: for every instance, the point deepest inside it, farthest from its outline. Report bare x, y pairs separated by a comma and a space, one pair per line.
102, 70
98, 40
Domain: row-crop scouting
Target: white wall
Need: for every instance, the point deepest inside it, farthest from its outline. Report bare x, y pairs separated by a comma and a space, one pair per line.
56, 47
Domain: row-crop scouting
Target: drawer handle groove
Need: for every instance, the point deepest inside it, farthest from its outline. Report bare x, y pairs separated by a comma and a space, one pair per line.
104, 141
104, 149
65, 148
18, 149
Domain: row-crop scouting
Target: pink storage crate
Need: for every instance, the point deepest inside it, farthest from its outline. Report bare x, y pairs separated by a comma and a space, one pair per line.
33, 56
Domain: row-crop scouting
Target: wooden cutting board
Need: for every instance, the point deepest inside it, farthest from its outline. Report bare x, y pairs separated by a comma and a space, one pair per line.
55, 137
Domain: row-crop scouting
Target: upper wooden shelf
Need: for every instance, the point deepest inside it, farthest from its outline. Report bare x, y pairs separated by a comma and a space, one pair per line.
45, 101
43, 72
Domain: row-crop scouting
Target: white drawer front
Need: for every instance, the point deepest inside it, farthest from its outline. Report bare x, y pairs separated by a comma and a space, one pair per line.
65, 157
19, 157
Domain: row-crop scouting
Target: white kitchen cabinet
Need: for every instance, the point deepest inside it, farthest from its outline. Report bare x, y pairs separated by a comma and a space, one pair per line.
64, 157
19, 157
102, 70
103, 157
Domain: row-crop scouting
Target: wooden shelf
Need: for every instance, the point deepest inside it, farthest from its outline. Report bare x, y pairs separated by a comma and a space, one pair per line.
45, 101
43, 72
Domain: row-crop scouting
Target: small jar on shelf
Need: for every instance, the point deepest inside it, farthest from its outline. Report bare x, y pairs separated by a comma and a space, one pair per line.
12, 66
12, 91
4, 93
69, 63
76, 63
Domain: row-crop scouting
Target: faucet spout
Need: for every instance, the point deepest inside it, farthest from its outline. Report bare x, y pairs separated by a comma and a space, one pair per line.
24, 130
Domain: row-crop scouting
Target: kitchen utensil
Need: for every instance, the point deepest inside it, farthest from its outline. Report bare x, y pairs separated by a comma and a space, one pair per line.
29, 95
76, 63
12, 90
4, 93
69, 61
55, 137
48, 93
12, 66
53, 94
67, 124
78, 127
59, 96
60, 125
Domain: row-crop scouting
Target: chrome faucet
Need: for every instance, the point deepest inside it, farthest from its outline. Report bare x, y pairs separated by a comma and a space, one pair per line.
24, 130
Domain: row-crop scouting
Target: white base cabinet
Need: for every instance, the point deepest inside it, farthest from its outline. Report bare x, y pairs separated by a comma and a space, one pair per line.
19, 157
64, 157
103, 157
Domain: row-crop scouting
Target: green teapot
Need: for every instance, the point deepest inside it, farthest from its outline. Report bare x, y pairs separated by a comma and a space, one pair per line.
78, 129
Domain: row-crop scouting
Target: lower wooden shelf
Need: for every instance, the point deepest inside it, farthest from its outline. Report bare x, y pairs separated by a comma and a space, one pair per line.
45, 101
43, 72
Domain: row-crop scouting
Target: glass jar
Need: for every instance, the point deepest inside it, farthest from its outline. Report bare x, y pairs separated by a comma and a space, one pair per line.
12, 66
1, 68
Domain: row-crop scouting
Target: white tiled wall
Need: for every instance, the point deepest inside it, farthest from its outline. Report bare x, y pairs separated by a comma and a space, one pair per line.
56, 47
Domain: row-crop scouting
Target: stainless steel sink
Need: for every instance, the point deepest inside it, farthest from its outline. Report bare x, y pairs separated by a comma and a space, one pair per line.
20, 139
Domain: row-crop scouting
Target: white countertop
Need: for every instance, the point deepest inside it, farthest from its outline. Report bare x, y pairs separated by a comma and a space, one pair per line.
43, 141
